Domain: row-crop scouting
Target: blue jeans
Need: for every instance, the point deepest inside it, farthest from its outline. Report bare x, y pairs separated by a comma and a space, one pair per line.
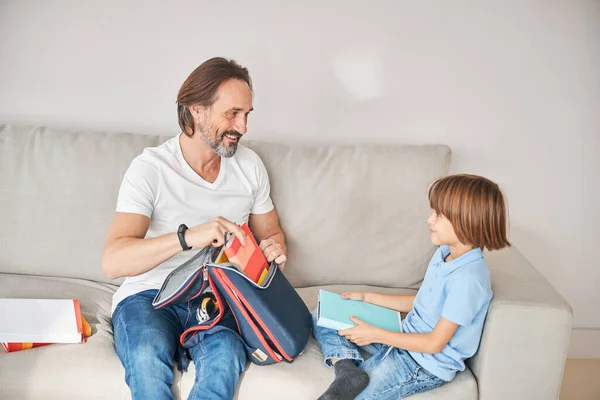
391, 376
147, 342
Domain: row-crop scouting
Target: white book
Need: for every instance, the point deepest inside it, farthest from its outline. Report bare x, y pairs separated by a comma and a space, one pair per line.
40, 321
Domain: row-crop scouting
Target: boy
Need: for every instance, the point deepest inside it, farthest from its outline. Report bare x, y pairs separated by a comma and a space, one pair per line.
445, 319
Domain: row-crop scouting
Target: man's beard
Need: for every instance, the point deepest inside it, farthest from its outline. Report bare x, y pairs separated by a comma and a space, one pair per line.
216, 143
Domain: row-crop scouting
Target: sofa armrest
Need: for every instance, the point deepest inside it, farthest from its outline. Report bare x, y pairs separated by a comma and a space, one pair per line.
526, 333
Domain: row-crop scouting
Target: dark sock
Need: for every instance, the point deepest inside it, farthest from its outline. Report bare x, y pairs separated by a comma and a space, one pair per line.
348, 383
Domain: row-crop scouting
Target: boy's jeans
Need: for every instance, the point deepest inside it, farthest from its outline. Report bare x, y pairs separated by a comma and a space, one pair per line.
391, 376
147, 341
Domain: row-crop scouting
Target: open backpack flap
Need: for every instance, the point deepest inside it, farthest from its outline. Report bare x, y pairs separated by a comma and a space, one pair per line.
185, 282
272, 320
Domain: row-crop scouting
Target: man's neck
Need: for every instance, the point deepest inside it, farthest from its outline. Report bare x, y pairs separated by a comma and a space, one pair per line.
202, 159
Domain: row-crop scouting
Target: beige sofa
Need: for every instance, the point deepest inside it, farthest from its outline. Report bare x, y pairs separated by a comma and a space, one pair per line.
354, 218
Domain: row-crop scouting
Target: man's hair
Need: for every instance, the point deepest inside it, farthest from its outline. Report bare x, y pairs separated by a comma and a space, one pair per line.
202, 85
476, 208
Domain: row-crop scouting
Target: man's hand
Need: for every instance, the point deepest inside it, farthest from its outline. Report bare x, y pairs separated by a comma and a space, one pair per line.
213, 233
362, 334
273, 252
360, 296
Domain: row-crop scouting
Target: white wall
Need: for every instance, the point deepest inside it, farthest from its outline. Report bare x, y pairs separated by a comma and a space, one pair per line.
512, 86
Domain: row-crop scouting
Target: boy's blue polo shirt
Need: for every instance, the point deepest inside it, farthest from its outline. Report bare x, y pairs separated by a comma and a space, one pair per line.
460, 291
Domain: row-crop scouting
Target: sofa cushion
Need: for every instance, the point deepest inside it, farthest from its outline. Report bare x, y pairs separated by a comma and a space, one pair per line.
348, 209
344, 209
93, 371
58, 191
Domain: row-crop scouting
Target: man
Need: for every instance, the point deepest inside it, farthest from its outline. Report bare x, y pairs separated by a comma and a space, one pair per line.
205, 180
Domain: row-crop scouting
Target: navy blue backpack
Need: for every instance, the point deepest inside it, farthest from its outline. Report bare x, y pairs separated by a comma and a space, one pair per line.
271, 318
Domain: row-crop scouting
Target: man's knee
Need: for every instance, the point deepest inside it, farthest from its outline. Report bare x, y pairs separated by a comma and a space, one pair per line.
148, 370
227, 347
233, 345
150, 354
144, 354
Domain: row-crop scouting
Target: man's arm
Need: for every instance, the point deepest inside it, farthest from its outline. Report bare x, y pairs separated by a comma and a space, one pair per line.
431, 343
272, 240
127, 253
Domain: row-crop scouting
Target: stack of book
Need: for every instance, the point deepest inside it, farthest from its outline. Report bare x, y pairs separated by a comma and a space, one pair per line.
29, 323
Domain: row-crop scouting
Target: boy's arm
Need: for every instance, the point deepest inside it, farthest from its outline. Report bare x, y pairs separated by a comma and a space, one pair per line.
433, 342
402, 303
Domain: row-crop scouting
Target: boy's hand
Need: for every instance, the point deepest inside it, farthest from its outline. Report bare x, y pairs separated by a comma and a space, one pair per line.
360, 296
362, 334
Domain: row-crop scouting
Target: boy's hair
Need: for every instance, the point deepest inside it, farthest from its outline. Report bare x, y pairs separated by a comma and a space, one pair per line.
475, 207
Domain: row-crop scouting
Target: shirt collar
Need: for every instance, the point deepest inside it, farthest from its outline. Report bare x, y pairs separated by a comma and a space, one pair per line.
453, 265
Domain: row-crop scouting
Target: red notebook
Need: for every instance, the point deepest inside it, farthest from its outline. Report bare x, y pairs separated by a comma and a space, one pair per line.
248, 258
10, 347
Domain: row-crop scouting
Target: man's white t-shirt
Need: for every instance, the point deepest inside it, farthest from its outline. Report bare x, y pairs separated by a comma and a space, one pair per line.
161, 185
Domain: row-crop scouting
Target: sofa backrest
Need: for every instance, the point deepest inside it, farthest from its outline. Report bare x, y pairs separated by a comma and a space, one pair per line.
351, 214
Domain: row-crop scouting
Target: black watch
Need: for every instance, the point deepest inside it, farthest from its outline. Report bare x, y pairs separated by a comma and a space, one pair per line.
181, 235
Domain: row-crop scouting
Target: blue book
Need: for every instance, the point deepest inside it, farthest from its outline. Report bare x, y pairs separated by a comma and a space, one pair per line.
334, 313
